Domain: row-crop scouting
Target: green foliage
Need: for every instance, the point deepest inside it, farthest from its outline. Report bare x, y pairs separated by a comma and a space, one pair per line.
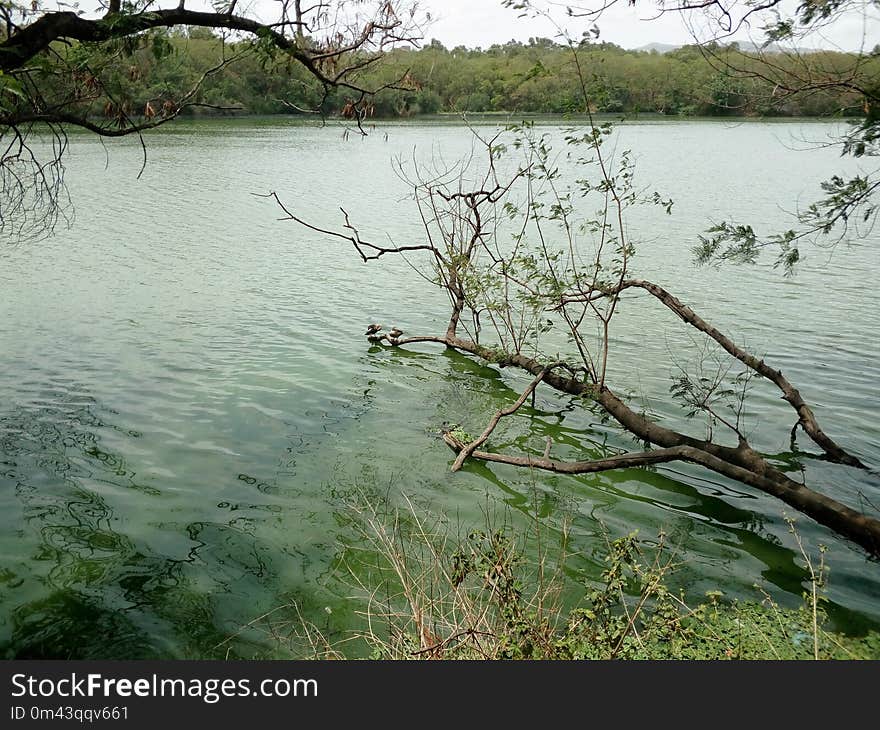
630, 613
535, 78
10, 91
844, 202
461, 435
740, 244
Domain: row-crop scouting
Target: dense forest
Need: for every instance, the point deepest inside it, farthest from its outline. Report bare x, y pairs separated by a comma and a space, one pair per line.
536, 77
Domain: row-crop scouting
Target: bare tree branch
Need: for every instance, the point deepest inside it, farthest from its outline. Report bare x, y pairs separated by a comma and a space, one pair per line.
468, 449
791, 395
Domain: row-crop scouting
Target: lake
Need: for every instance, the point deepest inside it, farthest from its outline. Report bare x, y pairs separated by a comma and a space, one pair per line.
188, 407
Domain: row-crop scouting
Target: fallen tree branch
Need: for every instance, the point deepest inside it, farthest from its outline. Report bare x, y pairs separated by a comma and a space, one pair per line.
791, 395
469, 448
623, 461
459, 233
741, 463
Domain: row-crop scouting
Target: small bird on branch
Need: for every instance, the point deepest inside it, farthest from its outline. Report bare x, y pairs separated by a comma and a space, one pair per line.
373, 329
395, 333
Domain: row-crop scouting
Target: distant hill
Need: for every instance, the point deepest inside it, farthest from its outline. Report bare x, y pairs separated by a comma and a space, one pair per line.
746, 46
659, 47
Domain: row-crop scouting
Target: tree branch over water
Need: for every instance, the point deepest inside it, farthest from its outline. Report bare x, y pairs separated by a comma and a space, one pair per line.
518, 267
783, 58
61, 69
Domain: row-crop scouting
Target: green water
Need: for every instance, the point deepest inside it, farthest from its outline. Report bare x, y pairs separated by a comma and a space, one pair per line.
188, 405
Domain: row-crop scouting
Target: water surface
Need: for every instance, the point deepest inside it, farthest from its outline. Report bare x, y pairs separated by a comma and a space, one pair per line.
188, 405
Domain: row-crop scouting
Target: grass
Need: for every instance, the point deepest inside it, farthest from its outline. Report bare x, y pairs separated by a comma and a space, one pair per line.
426, 594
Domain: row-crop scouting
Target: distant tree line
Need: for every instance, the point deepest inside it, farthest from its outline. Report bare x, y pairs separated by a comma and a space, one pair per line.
536, 77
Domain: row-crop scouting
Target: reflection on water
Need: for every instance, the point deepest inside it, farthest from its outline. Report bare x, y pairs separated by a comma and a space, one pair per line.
79, 588
187, 406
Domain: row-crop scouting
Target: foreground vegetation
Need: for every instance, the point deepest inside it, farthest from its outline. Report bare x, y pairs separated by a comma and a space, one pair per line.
427, 595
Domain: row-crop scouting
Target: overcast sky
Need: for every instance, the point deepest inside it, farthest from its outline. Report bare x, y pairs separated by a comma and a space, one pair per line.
484, 22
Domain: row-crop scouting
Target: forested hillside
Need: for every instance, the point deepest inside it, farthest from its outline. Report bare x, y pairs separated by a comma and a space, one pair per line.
537, 77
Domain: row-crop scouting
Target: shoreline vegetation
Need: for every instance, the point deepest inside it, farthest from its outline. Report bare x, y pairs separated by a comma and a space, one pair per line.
536, 78
422, 592
443, 119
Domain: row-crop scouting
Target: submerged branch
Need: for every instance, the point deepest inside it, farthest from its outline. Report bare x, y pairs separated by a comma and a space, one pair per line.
623, 461
467, 450
742, 463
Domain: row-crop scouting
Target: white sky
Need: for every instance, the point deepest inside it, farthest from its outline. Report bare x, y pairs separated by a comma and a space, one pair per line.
484, 22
